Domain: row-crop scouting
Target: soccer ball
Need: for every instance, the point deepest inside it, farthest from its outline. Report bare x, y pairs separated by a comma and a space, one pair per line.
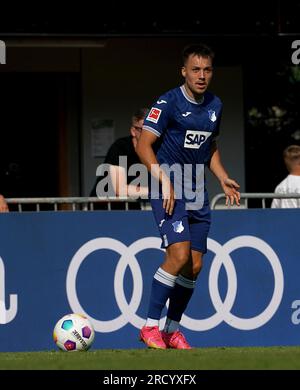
73, 332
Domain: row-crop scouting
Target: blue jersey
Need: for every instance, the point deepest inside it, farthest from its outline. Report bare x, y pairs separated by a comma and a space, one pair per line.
186, 128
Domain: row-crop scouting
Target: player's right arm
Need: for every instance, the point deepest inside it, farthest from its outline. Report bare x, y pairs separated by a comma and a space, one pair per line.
147, 156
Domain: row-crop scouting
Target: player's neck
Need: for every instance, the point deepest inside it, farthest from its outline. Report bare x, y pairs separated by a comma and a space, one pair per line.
198, 98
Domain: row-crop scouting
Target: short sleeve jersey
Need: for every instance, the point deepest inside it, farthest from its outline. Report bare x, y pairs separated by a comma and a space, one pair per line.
186, 127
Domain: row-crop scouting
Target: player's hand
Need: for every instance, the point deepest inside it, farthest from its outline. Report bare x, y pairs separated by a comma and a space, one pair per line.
168, 196
230, 188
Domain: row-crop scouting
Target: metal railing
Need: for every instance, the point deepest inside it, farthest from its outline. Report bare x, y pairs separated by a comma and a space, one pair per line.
246, 196
92, 203
70, 203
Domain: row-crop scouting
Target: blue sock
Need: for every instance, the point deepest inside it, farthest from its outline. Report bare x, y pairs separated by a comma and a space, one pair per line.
180, 297
162, 286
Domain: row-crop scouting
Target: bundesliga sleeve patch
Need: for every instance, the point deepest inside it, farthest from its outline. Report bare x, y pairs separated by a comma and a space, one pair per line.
154, 115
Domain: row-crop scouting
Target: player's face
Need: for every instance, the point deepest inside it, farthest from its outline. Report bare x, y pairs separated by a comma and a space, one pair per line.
197, 72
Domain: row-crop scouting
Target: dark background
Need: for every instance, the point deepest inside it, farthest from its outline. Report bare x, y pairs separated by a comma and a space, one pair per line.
255, 34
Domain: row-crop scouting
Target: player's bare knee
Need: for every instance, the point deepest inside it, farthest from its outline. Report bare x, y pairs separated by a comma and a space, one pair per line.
177, 260
182, 257
179, 253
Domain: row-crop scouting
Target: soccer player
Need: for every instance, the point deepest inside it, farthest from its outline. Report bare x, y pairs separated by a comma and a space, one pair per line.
185, 121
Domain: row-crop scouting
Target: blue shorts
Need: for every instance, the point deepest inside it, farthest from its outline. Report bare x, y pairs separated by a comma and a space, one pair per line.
182, 225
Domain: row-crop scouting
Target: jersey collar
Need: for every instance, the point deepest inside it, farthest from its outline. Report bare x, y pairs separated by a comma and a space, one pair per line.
191, 100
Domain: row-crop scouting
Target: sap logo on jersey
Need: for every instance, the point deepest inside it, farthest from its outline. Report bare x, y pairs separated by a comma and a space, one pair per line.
194, 139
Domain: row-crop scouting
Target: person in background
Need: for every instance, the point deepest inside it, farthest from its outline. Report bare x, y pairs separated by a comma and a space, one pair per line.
3, 205
124, 147
291, 184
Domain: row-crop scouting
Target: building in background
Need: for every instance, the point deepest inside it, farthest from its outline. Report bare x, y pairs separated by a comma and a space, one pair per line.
62, 76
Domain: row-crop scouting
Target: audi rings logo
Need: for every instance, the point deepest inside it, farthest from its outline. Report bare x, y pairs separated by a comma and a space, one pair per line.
222, 308
127, 259
223, 313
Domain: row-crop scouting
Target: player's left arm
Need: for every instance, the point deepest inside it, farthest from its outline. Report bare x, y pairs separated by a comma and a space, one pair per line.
230, 186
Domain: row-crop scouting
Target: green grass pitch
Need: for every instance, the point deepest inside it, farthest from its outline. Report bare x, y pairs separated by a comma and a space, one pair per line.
246, 358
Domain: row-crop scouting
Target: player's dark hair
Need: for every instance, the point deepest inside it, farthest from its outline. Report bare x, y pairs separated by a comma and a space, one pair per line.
198, 49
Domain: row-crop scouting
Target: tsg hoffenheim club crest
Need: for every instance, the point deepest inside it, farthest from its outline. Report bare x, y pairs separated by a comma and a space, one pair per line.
212, 115
178, 227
